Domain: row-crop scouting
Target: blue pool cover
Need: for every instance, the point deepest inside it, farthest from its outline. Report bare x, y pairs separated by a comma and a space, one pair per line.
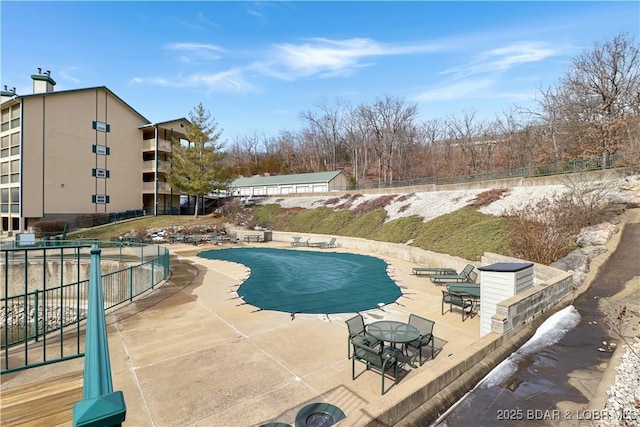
295, 281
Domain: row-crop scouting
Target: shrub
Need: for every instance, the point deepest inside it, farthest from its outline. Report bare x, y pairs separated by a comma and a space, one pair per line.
487, 197
347, 201
50, 226
539, 242
373, 204
585, 202
332, 201
544, 231
404, 197
403, 208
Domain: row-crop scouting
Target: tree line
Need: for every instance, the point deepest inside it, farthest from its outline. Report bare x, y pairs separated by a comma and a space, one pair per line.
593, 110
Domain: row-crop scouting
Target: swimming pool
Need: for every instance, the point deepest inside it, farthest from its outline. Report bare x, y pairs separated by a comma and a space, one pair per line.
298, 281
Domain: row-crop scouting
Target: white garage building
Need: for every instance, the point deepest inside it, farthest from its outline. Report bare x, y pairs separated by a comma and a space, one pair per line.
317, 182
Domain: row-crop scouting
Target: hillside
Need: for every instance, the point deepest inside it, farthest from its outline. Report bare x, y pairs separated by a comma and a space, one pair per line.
429, 205
462, 222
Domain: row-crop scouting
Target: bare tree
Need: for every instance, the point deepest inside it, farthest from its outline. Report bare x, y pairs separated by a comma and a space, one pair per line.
597, 99
432, 134
466, 133
326, 126
391, 122
357, 135
516, 139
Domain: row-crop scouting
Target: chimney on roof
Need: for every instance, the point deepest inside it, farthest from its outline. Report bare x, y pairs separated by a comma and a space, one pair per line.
7, 93
42, 83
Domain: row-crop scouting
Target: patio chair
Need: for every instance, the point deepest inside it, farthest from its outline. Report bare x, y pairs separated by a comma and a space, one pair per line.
432, 271
425, 326
453, 298
330, 244
357, 331
463, 276
380, 361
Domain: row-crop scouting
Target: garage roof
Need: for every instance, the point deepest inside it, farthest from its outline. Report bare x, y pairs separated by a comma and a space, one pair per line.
300, 178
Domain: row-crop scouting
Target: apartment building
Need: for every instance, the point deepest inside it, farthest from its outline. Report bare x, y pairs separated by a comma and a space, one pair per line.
84, 151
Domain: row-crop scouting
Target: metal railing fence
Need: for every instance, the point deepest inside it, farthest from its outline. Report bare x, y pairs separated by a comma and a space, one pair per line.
559, 168
44, 294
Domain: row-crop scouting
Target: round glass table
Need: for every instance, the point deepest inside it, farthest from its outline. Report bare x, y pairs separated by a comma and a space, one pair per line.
394, 332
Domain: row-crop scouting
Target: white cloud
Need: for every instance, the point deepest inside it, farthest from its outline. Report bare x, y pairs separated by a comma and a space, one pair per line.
199, 51
505, 58
461, 89
66, 74
326, 57
226, 81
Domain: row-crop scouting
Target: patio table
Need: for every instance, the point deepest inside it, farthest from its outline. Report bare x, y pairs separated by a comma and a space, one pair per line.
471, 290
394, 332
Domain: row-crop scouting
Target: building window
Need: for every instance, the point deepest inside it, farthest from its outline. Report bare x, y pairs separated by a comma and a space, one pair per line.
100, 199
15, 123
100, 173
4, 172
10, 145
101, 150
5, 147
15, 195
6, 116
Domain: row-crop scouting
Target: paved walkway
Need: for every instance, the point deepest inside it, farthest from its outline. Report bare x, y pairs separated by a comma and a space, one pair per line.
191, 354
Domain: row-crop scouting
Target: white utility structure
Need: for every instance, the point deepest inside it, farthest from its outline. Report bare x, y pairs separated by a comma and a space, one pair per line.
498, 282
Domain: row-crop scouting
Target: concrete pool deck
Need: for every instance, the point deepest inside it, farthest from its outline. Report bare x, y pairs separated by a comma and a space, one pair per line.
190, 353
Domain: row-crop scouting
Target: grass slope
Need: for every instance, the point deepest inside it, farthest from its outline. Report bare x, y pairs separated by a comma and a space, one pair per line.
465, 233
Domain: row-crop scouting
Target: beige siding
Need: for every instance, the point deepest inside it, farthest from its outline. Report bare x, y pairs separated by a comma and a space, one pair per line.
33, 158
58, 140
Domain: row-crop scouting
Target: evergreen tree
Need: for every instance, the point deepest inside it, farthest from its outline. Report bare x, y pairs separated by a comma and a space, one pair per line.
197, 168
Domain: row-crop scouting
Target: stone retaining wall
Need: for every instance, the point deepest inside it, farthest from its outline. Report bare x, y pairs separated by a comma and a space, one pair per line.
551, 285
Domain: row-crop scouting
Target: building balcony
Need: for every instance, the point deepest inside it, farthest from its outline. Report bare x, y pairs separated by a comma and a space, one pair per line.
150, 145
150, 166
150, 188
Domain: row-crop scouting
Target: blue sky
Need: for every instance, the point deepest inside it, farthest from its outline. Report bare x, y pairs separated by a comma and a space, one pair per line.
257, 65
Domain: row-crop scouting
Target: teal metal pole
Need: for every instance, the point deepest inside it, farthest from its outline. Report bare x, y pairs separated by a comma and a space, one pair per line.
100, 406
